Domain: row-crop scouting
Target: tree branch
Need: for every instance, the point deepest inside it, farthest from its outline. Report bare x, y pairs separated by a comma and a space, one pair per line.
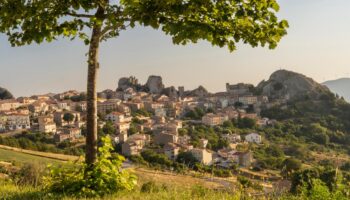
79, 15
109, 28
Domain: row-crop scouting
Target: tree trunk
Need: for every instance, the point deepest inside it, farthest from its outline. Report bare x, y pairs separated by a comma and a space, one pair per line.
93, 65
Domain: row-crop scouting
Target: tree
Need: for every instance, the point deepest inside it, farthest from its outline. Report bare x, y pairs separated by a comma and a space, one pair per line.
68, 117
289, 165
222, 23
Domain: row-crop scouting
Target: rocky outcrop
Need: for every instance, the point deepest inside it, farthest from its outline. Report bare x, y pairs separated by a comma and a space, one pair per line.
170, 92
127, 82
289, 85
155, 84
199, 92
5, 94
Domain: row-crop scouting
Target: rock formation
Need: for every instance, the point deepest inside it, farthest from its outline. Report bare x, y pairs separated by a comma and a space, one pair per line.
199, 92
127, 82
155, 84
285, 84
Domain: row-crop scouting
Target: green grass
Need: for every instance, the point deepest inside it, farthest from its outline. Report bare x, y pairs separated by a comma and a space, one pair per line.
9, 191
17, 157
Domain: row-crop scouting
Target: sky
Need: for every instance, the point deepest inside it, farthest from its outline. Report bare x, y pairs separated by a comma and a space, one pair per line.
317, 45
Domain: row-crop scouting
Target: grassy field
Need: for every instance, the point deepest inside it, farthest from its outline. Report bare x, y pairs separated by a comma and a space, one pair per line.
41, 154
11, 192
18, 157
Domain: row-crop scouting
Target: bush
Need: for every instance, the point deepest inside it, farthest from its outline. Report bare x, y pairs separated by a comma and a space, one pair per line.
151, 186
105, 177
29, 174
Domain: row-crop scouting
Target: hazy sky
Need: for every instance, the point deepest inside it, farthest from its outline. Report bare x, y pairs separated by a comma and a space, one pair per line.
317, 44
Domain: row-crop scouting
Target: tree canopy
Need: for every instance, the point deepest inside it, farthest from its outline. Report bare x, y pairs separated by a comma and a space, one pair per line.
222, 23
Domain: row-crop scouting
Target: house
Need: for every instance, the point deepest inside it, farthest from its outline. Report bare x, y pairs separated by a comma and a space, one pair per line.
108, 106
25, 100
135, 144
231, 112
121, 138
64, 105
253, 138
124, 109
160, 112
238, 89
202, 155
58, 117
38, 107
248, 100
211, 119
17, 122
228, 157
122, 127
232, 138
68, 133
46, 124
165, 138
171, 151
115, 117
41, 97
10, 104
134, 106
262, 122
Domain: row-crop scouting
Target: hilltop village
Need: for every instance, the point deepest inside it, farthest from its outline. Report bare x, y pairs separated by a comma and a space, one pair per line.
263, 133
149, 116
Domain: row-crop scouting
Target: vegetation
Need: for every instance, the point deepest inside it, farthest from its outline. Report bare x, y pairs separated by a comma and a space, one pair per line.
68, 117
40, 142
105, 178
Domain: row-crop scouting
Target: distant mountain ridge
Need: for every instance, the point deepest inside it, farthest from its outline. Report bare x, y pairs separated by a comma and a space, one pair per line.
340, 87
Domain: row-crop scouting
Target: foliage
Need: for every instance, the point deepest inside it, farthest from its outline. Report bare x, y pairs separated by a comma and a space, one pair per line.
186, 158
29, 174
108, 128
320, 183
156, 158
40, 142
290, 165
196, 114
151, 187
270, 157
246, 123
106, 177
245, 182
68, 117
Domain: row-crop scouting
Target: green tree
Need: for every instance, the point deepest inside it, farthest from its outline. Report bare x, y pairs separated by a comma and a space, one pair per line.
222, 23
108, 128
290, 165
68, 117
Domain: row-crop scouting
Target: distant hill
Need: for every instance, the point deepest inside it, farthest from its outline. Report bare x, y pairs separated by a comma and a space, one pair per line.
5, 94
284, 84
340, 87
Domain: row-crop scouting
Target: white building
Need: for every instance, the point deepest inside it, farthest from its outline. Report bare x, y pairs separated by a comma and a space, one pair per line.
202, 155
115, 117
253, 138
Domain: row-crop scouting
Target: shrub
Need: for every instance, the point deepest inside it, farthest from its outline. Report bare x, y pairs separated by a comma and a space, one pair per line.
105, 177
151, 186
29, 174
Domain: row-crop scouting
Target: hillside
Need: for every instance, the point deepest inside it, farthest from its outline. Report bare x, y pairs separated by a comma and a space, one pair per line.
340, 87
